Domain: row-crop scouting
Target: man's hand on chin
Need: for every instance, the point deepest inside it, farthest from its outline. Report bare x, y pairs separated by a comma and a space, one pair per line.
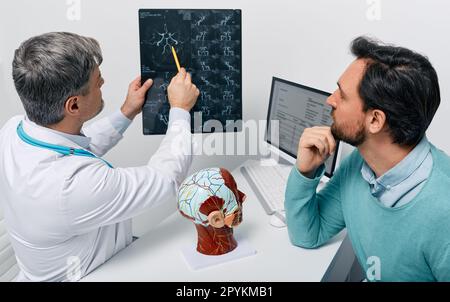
135, 97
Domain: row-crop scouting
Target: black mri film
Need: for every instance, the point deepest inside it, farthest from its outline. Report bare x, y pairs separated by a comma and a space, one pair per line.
208, 45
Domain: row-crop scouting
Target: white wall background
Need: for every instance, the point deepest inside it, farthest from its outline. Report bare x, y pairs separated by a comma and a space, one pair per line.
305, 41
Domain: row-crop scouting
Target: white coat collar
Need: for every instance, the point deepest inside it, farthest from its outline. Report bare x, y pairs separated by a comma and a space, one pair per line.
55, 137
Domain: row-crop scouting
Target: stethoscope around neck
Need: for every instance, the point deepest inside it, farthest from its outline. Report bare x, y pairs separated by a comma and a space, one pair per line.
65, 151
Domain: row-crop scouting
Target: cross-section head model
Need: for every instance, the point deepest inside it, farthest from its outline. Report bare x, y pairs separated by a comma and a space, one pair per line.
211, 199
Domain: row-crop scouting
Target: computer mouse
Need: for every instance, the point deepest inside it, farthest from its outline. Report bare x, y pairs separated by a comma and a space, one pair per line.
277, 221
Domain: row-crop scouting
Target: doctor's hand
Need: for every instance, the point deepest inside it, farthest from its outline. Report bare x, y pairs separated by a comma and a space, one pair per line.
135, 97
315, 146
181, 92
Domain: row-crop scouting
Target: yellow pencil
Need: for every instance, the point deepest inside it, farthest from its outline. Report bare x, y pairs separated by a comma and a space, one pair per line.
176, 58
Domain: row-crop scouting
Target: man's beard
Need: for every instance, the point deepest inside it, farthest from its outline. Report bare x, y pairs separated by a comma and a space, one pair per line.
355, 140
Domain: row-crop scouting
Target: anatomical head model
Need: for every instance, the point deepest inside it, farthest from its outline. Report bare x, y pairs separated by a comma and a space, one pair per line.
210, 199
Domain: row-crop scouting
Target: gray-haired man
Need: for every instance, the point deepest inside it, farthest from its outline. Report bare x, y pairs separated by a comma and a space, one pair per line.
66, 209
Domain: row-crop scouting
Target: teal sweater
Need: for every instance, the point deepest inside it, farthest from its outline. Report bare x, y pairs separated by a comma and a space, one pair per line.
411, 242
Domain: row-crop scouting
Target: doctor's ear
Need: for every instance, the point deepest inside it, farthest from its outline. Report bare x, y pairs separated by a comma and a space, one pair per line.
216, 219
71, 106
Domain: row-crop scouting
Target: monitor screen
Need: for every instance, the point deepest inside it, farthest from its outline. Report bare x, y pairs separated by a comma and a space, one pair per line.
297, 107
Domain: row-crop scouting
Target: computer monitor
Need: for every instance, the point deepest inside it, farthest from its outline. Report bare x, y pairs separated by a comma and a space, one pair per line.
296, 107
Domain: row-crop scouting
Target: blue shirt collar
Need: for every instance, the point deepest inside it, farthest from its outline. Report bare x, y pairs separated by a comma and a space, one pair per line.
399, 172
80, 140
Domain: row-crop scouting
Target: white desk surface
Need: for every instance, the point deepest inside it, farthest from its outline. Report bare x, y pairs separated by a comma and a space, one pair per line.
156, 256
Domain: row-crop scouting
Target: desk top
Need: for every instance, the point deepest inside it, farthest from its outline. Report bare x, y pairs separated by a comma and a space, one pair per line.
156, 256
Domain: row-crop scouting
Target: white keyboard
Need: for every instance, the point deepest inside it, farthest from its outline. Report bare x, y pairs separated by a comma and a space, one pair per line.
270, 184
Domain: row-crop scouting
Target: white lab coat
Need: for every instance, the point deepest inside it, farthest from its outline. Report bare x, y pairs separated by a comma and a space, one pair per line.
66, 215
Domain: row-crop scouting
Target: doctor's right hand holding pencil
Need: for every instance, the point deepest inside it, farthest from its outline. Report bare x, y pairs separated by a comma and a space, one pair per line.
182, 93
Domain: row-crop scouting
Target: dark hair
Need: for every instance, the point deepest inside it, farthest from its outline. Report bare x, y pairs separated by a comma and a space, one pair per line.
49, 68
401, 83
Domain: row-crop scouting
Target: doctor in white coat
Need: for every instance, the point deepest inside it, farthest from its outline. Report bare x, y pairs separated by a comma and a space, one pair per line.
67, 210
